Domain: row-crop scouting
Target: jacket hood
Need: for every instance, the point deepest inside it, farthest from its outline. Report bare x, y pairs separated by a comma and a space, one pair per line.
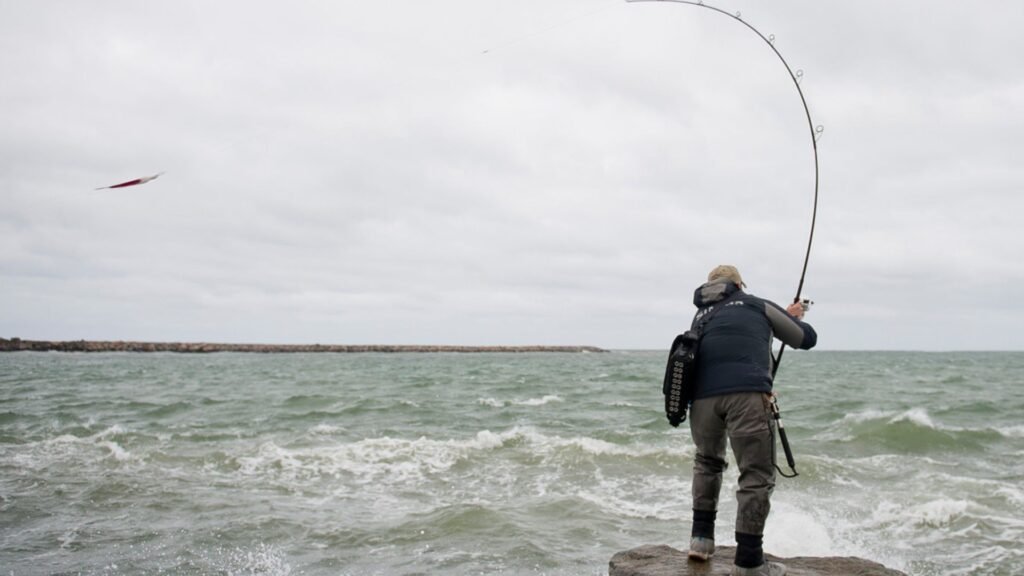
714, 291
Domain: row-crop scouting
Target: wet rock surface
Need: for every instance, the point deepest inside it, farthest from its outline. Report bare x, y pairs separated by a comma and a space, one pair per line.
662, 560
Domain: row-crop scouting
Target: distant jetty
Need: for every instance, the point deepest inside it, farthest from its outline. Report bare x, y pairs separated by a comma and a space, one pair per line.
17, 345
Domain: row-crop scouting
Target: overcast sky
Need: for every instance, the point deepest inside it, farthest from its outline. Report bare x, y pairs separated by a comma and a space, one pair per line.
517, 172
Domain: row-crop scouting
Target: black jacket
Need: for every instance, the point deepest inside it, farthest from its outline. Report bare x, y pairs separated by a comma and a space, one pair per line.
735, 352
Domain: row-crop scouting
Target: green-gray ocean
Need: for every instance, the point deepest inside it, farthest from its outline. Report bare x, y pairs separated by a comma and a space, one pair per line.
393, 464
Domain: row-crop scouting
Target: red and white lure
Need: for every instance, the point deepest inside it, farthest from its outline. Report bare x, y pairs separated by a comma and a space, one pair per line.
135, 182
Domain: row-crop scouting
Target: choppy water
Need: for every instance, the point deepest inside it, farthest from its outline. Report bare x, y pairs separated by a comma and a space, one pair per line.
484, 464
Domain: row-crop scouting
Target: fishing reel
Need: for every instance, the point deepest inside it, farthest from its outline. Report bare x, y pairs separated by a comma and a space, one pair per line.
806, 304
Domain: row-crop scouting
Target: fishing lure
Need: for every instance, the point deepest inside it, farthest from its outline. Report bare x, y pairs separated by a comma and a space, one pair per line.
135, 182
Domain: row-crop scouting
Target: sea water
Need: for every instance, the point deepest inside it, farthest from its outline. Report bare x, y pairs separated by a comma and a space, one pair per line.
394, 464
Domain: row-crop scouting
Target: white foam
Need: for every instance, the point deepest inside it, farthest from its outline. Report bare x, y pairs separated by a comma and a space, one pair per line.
326, 429
62, 439
262, 561
1012, 431
384, 459
486, 440
891, 462
68, 447
1012, 493
630, 507
116, 451
917, 416
527, 402
598, 447
794, 532
867, 416
538, 401
390, 461
841, 430
93, 439
640, 500
932, 514
594, 446
112, 430
822, 525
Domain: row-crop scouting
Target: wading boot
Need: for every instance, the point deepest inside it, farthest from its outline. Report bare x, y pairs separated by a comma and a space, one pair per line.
701, 548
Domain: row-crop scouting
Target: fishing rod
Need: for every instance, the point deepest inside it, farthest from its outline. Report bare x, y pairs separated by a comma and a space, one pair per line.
816, 132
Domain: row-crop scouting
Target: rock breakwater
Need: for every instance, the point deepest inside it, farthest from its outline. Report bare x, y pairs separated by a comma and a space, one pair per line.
17, 345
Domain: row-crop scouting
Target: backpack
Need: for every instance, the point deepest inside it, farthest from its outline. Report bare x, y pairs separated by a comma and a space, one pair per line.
681, 371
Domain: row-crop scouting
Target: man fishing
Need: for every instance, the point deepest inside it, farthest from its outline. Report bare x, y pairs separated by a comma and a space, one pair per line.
732, 399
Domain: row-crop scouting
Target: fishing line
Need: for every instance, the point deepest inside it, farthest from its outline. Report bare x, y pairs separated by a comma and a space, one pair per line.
816, 132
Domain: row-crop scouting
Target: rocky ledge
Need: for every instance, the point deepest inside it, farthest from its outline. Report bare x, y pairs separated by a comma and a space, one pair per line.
652, 560
17, 344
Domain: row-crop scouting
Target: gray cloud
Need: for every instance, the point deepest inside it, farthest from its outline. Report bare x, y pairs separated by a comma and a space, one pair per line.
530, 172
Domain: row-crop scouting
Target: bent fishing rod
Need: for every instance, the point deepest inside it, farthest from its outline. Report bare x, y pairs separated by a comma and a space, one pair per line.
816, 132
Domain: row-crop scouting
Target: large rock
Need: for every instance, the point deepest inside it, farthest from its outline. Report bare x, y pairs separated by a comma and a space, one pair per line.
661, 560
